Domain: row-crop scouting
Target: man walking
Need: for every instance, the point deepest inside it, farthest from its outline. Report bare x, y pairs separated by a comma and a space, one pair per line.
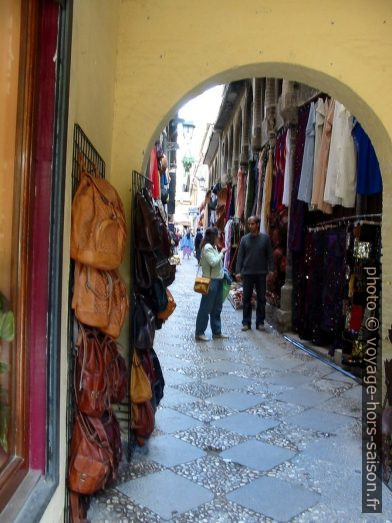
198, 239
253, 262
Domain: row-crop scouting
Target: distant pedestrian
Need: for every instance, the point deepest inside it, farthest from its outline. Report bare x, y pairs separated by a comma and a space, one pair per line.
211, 303
253, 262
198, 240
186, 245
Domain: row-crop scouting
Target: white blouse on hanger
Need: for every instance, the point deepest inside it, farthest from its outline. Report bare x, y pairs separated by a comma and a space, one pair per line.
340, 184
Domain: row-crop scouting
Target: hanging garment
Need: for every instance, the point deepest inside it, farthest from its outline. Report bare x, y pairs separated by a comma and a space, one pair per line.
368, 170
297, 208
261, 168
321, 110
322, 164
287, 171
306, 181
250, 190
280, 161
228, 201
154, 174
228, 234
346, 177
341, 173
240, 204
265, 209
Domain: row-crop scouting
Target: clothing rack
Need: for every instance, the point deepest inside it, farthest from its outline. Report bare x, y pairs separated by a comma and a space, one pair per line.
359, 219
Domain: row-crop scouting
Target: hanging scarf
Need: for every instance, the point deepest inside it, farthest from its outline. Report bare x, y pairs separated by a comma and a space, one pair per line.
154, 174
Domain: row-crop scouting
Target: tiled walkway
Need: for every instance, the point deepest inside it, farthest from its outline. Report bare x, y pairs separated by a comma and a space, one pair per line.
250, 430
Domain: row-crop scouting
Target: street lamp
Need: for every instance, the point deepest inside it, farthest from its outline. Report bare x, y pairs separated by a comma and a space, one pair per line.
188, 128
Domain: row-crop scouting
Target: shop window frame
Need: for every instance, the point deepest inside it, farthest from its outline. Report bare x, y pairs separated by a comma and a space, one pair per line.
31, 491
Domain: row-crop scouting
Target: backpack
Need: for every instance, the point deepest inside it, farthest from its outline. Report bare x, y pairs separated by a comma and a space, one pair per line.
91, 388
98, 226
100, 299
91, 461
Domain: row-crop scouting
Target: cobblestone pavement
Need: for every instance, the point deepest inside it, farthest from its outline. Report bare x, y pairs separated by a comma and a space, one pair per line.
250, 430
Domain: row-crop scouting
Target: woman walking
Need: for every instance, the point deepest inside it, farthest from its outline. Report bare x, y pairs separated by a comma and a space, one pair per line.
211, 303
186, 245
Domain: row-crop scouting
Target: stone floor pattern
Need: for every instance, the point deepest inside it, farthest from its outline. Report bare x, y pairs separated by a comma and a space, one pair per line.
250, 430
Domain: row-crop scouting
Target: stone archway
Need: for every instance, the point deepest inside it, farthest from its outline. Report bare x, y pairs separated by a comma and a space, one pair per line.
344, 52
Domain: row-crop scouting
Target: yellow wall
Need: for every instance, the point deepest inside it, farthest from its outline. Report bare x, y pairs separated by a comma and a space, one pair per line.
91, 105
171, 50
135, 62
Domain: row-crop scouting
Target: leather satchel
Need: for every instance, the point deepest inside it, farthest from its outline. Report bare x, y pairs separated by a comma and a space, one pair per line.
142, 421
91, 459
90, 376
140, 386
143, 325
170, 308
98, 228
202, 283
100, 299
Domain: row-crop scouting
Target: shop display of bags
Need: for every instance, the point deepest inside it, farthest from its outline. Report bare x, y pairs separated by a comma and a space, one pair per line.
100, 301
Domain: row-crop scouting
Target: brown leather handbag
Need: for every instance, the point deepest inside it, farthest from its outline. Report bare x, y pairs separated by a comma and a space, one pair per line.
91, 459
98, 228
140, 386
100, 299
170, 308
142, 421
91, 388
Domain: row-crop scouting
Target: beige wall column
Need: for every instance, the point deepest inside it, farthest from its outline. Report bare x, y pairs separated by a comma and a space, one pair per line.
289, 113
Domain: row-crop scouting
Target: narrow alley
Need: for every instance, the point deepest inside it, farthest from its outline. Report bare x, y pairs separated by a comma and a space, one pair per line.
250, 429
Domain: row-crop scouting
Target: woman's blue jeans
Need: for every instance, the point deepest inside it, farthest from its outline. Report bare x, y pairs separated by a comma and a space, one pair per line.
210, 306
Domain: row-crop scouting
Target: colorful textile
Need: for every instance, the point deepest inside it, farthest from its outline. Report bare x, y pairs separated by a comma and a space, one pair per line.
322, 161
306, 181
154, 174
368, 170
287, 183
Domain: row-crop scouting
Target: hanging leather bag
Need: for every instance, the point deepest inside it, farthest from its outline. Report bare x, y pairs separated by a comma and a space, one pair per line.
98, 227
100, 299
116, 371
91, 460
142, 421
90, 376
140, 386
147, 224
170, 308
143, 325
159, 383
